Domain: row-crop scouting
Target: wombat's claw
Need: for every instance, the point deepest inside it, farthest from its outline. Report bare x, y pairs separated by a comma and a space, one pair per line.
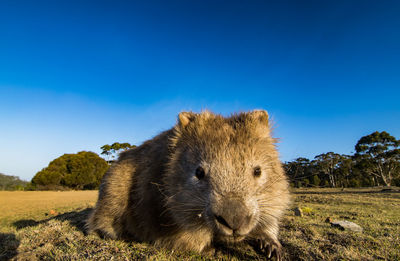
271, 250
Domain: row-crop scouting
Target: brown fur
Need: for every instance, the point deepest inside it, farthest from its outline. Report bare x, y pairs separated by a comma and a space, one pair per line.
152, 193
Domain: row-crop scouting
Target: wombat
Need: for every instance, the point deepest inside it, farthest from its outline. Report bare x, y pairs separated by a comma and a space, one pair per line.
208, 179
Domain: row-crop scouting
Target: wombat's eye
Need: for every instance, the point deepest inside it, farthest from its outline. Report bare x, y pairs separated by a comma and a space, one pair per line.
257, 171
200, 173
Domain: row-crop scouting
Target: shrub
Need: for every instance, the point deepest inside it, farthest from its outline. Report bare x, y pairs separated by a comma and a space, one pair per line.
83, 170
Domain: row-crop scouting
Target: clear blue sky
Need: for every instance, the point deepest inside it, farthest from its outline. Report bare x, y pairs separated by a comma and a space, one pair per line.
75, 75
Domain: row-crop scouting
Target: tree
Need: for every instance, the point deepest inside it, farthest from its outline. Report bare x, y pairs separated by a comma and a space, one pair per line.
112, 151
83, 170
328, 164
345, 170
378, 155
106, 150
298, 170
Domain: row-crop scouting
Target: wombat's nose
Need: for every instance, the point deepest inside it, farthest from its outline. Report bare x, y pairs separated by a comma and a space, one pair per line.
233, 216
222, 221
235, 222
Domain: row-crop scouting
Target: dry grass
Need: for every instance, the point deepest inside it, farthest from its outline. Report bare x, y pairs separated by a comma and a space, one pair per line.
18, 205
28, 234
310, 237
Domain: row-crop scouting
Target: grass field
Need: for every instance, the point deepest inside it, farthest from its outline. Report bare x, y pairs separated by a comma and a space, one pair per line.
49, 226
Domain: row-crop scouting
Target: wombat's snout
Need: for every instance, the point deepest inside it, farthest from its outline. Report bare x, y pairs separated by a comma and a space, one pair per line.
233, 218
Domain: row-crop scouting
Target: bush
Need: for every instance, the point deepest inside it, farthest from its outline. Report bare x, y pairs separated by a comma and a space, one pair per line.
83, 170
30, 187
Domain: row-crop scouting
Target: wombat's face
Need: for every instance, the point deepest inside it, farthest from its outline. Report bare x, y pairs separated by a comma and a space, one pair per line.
223, 173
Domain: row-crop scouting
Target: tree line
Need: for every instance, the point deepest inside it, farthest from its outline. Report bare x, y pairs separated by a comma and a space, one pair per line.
376, 162
11, 182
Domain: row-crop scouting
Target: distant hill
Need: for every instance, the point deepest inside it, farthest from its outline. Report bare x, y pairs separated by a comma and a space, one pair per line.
11, 182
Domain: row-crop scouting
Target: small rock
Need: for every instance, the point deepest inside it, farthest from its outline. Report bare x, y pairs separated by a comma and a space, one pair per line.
298, 212
328, 220
346, 225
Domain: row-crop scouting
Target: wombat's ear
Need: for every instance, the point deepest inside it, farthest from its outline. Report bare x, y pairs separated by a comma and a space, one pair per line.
260, 115
185, 117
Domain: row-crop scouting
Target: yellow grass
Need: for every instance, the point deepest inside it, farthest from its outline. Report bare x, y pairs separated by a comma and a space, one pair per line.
16, 205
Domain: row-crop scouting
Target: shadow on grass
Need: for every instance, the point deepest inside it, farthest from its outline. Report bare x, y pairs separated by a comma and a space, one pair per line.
75, 218
8, 246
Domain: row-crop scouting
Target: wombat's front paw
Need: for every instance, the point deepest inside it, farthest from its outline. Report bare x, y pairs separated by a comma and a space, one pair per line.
272, 249
209, 251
